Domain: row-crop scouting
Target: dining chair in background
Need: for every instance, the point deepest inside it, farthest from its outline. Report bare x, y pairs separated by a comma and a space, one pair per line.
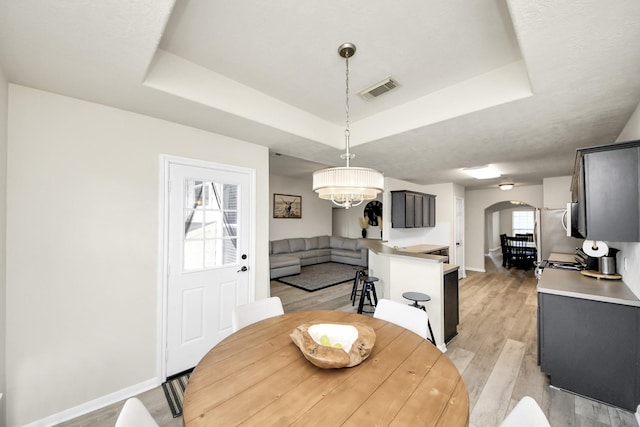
526, 413
415, 320
505, 249
135, 414
245, 315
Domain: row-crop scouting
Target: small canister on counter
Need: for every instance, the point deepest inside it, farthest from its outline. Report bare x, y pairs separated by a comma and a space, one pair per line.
607, 263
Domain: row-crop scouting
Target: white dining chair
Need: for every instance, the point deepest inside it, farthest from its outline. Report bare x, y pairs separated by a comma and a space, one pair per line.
411, 318
135, 414
526, 413
245, 315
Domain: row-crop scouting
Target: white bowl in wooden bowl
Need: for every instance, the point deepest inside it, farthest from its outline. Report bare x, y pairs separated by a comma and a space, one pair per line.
334, 345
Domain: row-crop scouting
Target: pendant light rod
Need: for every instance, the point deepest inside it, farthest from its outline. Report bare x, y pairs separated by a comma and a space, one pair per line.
347, 50
348, 186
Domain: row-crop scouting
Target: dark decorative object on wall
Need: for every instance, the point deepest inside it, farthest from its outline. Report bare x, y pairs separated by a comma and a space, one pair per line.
373, 212
287, 206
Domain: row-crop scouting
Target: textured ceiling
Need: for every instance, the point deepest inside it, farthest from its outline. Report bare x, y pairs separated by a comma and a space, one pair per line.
517, 84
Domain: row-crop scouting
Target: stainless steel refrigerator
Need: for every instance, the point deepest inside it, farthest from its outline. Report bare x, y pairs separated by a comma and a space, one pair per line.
551, 234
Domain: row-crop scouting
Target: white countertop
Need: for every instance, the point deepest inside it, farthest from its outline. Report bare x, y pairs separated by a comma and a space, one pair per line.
380, 248
422, 249
573, 284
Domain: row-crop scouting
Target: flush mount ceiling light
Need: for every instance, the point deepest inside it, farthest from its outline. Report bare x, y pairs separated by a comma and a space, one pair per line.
505, 186
347, 186
482, 172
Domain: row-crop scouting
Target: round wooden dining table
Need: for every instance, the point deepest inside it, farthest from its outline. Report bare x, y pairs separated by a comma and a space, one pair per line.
258, 376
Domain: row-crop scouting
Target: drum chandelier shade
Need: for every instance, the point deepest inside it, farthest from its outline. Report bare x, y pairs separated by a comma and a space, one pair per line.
348, 186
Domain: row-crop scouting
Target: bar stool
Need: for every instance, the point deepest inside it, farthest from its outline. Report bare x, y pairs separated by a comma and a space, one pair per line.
420, 297
356, 282
368, 290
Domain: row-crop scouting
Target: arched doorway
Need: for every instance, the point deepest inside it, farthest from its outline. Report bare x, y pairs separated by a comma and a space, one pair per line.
507, 217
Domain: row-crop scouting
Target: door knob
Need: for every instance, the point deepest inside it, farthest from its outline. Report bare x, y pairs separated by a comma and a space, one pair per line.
244, 268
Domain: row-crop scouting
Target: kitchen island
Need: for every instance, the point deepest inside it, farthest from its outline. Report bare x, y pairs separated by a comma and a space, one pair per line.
589, 336
402, 271
427, 249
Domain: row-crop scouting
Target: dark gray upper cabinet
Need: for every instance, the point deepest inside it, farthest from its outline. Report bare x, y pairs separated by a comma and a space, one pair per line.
605, 185
410, 209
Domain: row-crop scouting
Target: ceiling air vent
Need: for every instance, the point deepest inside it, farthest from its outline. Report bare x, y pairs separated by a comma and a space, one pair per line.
379, 88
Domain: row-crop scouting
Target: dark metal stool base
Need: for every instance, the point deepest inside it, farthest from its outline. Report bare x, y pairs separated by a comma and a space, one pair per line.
354, 288
368, 290
420, 297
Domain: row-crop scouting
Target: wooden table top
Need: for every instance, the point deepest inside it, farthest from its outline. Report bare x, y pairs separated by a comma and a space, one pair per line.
257, 376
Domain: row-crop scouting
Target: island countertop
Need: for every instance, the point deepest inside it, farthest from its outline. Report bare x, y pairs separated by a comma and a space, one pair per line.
573, 284
423, 249
399, 271
380, 248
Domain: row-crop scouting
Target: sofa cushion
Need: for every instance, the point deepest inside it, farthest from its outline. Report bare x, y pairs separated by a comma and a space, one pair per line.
335, 242
323, 242
324, 252
280, 247
283, 261
305, 254
361, 244
311, 243
345, 253
296, 245
349, 244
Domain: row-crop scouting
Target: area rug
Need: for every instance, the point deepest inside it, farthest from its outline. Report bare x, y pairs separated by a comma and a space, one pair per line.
174, 391
320, 276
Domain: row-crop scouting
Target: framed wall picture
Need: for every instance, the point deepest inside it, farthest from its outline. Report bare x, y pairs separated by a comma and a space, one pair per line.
287, 206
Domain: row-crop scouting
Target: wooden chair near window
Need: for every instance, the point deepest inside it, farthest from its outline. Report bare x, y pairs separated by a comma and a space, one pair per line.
521, 252
505, 249
528, 236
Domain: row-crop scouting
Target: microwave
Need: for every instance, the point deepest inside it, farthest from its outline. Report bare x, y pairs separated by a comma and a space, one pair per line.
571, 221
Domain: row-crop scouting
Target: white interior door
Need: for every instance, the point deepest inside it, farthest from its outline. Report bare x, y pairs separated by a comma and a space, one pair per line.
208, 257
459, 261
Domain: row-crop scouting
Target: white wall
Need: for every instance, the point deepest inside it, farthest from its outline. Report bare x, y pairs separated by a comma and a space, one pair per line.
346, 222
4, 97
630, 251
557, 192
631, 131
83, 244
476, 201
493, 232
316, 213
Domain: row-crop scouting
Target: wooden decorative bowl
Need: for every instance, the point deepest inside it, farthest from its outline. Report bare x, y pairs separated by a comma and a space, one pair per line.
334, 345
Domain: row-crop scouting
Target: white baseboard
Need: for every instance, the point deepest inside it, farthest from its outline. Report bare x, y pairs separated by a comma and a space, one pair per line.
479, 270
95, 404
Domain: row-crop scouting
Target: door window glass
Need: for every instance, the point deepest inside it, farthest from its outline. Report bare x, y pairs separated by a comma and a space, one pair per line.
210, 225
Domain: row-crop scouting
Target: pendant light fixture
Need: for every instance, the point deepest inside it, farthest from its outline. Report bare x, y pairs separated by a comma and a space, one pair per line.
348, 186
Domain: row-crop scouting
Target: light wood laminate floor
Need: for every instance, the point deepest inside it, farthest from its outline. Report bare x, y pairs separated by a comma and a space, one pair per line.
495, 351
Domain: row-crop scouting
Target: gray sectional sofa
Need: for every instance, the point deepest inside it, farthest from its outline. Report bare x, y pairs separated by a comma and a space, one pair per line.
286, 256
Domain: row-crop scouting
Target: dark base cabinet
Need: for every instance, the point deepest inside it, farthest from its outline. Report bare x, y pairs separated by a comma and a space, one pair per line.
451, 312
591, 348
